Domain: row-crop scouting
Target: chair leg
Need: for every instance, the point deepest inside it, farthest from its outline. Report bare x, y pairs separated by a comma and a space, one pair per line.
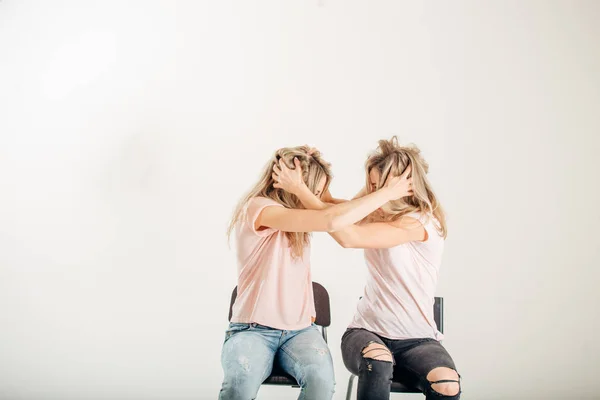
350, 385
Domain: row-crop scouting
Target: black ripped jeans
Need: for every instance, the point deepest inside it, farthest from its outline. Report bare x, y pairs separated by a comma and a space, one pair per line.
413, 360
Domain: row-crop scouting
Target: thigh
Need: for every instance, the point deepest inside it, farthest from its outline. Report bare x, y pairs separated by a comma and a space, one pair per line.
353, 343
304, 351
413, 364
247, 356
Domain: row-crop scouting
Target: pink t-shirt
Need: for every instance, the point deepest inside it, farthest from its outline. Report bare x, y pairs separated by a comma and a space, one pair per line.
399, 295
274, 289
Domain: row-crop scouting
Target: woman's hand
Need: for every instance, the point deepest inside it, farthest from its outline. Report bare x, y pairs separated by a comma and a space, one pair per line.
400, 186
288, 179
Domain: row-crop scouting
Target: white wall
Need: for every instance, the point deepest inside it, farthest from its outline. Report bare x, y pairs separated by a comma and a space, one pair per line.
128, 131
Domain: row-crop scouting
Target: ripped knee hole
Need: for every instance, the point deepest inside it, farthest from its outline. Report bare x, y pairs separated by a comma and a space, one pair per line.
444, 381
377, 351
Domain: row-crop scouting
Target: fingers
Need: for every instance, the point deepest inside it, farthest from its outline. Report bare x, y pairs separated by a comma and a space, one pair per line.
281, 165
275, 177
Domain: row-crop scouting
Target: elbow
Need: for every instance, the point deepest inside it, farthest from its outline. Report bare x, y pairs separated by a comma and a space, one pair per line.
345, 244
330, 222
345, 241
335, 223
348, 243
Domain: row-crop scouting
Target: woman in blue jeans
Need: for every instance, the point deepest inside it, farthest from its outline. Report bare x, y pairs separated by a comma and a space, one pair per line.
273, 315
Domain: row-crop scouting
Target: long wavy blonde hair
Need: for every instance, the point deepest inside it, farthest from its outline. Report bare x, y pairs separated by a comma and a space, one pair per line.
314, 168
392, 159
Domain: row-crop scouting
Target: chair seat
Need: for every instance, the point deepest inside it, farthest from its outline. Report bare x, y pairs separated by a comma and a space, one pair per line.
398, 387
280, 380
279, 377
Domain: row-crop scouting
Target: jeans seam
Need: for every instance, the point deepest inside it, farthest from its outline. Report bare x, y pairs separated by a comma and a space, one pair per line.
284, 349
267, 367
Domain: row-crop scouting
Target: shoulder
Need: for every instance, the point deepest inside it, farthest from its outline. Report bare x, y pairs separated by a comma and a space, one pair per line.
408, 221
257, 204
254, 209
260, 201
420, 221
426, 219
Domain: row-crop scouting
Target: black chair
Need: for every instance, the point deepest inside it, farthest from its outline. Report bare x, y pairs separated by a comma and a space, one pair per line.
322, 319
397, 387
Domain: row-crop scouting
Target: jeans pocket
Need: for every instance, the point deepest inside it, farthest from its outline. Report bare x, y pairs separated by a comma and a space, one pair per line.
238, 326
235, 327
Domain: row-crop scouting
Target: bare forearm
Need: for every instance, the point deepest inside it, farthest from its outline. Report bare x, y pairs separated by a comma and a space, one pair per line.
336, 201
348, 213
344, 214
362, 193
343, 236
310, 201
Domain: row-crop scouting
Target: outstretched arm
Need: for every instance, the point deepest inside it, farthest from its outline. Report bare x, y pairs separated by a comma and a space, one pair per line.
381, 235
370, 235
331, 218
378, 235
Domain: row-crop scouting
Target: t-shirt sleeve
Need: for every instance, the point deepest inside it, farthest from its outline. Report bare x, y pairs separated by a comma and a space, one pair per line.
423, 219
255, 207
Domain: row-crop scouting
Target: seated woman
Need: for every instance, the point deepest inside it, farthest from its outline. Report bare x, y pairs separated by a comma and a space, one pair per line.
273, 314
403, 242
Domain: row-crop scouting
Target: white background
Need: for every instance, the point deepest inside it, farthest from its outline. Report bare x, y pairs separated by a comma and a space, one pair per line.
128, 131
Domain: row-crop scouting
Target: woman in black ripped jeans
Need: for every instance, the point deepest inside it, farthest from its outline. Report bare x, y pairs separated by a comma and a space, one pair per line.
420, 363
393, 330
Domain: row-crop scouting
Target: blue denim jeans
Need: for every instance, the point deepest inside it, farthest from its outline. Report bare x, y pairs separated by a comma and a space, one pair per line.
250, 350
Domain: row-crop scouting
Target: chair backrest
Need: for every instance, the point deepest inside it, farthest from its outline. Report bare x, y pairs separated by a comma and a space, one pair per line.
322, 305
438, 313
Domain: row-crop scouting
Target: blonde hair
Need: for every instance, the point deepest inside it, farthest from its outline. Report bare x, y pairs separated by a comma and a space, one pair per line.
314, 168
392, 159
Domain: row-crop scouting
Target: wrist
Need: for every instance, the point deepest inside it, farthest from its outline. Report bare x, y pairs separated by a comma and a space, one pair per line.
301, 189
387, 193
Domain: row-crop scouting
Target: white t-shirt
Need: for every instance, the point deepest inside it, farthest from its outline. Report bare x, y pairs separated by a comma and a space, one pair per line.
399, 295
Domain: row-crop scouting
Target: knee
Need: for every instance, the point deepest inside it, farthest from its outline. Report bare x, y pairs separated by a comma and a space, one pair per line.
444, 381
377, 361
377, 351
318, 379
238, 390
240, 385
